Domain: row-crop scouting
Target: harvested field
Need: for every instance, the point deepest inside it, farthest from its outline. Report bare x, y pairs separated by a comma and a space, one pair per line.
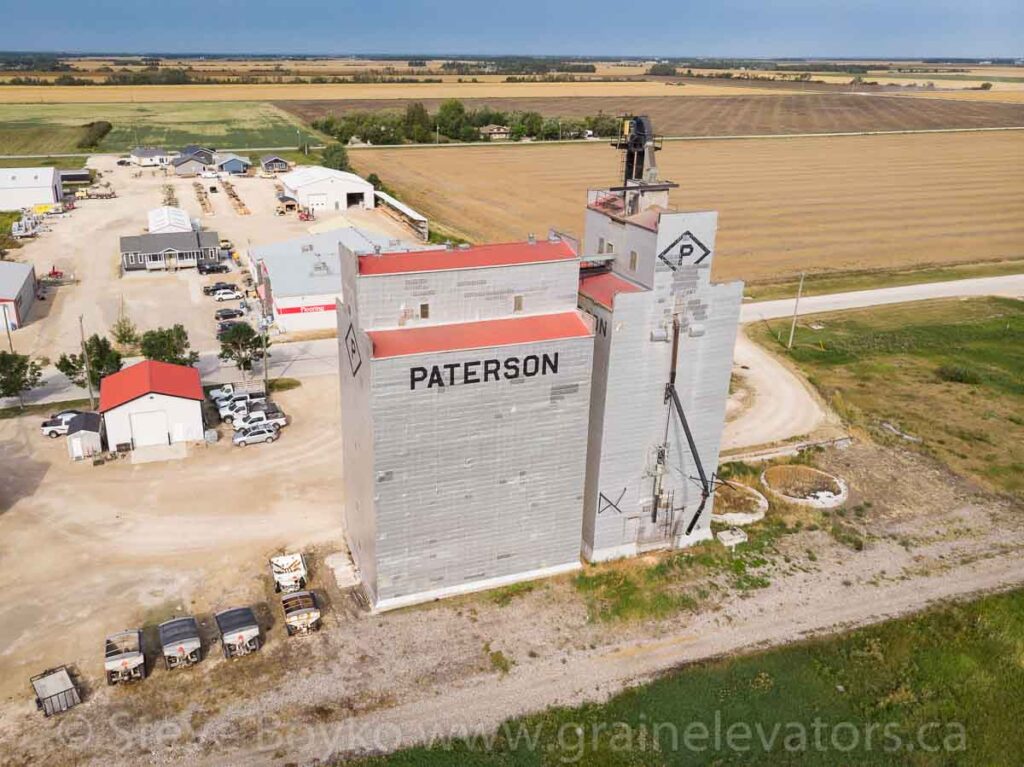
42, 128
785, 205
106, 94
730, 115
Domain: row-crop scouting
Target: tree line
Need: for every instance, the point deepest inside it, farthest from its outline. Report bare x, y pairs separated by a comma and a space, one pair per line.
454, 122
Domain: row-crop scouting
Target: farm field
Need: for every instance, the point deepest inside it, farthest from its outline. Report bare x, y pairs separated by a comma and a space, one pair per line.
785, 205
57, 94
943, 684
903, 364
55, 128
730, 115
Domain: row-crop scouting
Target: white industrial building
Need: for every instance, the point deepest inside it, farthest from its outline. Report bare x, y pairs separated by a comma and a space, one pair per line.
26, 187
299, 281
152, 404
323, 189
17, 293
166, 220
465, 390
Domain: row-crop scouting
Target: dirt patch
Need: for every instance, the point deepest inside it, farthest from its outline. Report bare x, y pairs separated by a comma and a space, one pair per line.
805, 485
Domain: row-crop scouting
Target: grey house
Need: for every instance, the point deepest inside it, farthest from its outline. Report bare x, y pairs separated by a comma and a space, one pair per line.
271, 163
188, 165
173, 250
201, 153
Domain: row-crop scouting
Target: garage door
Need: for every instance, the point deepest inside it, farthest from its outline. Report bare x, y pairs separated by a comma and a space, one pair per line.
149, 428
318, 201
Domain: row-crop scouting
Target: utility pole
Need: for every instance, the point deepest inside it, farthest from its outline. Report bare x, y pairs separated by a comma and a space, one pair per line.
266, 364
7, 326
88, 370
796, 307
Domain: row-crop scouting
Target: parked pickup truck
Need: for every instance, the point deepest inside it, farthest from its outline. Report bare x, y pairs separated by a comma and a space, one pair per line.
231, 407
209, 290
123, 659
57, 425
180, 642
261, 416
239, 631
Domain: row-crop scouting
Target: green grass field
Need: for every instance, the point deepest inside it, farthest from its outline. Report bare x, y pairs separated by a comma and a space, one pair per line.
950, 373
56, 128
820, 284
942, 688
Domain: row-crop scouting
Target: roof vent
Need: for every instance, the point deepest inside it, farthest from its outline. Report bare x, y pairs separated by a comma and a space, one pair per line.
320, 267
532, 238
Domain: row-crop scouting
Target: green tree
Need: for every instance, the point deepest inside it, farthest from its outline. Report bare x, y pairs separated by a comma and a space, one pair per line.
451, 117
418, 125
18, 374
168, 345
242, 345
104, 359
125, 334
335, 157
662, 70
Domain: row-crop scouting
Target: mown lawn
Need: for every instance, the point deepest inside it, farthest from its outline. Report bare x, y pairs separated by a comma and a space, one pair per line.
45, 128
945, 687
949, 373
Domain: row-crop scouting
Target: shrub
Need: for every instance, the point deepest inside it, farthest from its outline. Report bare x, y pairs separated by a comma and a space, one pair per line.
958, 374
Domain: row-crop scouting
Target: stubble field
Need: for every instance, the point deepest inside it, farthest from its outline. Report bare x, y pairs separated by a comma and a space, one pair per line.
729, 115
785, 205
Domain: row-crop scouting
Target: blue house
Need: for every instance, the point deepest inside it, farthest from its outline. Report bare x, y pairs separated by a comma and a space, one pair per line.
232, 163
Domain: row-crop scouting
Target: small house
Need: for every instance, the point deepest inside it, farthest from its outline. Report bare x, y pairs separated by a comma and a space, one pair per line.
188, 165
204, 155
232, 163
271, 163
495, 132
85, 436
149, 157
172, 250
152, 403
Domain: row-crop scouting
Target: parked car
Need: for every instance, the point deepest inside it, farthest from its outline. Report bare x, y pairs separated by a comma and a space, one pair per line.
209, 290
208, 174
66, 414
228, 314
254, 435
58, 425
226, 325
216, 268
227, 295
238, 405
123, 162
232, 393
226, 244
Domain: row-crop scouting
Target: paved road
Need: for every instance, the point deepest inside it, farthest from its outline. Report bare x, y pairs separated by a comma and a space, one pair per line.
315, 358
1010, 285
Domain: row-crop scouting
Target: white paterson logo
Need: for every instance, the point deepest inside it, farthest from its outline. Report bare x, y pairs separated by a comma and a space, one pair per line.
482, 371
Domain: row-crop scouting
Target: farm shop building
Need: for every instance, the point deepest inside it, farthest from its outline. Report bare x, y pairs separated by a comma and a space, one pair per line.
299, 281
465, 389
27, 187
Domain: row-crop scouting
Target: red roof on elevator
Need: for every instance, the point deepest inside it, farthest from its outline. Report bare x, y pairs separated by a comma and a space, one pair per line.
478, 335
603, 287
149, 377
502, 254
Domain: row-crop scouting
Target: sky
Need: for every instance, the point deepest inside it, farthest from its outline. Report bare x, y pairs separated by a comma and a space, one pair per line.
655, 28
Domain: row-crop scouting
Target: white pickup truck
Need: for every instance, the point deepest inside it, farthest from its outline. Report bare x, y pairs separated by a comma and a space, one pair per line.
232, 407
260, 416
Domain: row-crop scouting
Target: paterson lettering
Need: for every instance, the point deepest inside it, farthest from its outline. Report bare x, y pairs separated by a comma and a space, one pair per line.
483, 371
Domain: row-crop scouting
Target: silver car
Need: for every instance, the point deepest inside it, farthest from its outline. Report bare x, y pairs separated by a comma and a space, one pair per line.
253, 435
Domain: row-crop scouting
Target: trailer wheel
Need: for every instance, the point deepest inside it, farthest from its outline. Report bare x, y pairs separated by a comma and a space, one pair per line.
290, 629
302, 583
167, 663
196, 656
111, 678
227, 651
